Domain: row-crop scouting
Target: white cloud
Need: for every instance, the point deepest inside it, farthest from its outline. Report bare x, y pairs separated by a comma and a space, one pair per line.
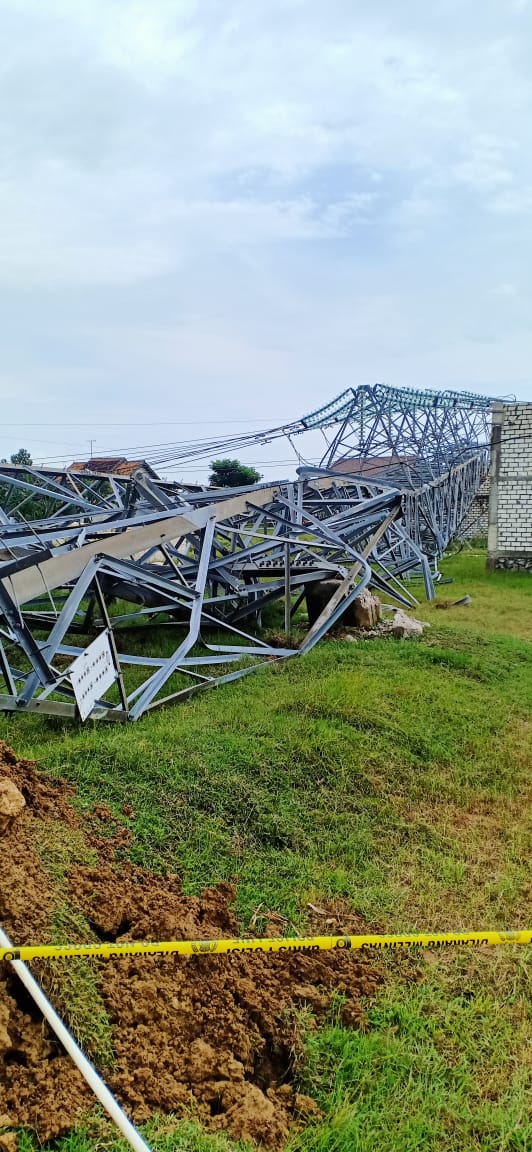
326, 190
510, 291
513, 202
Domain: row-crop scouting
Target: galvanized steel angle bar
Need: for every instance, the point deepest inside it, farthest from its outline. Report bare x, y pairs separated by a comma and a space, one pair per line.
152, 687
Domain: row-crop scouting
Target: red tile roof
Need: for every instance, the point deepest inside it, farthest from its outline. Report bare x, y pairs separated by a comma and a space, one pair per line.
371, 466
115, 465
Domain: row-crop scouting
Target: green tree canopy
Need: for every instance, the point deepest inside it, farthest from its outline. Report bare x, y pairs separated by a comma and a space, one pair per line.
21, 457
15, 503
232, 474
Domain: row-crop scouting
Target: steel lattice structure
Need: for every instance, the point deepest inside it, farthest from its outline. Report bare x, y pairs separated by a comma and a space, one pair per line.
85, 555
431, 445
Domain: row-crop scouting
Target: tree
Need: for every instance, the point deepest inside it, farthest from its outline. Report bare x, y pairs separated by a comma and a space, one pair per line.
21, 457
232, 474
15, 503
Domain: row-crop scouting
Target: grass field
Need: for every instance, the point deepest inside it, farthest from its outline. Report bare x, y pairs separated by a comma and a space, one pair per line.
395, 775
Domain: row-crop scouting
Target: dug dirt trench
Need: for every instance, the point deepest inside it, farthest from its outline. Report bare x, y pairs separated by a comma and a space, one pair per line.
213, 1037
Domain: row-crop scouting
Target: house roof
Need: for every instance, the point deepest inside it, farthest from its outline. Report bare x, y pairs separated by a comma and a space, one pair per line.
116, 465
371, 465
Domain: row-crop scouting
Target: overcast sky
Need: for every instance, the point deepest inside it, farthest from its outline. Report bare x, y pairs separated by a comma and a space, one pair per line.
215, 216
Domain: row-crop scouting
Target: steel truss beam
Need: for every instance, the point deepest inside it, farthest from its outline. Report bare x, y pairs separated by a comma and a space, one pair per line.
139, 559
196, 572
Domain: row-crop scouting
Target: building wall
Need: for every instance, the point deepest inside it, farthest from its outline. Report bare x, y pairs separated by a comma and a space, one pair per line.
475, 523
510, 502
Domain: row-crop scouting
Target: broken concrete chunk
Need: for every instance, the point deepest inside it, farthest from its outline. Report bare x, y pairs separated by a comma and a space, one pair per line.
404, 626
317, 596
11, 803
366, 610
363, 612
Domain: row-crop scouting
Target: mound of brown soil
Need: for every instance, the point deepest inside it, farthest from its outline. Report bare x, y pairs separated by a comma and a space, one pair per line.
218, 1035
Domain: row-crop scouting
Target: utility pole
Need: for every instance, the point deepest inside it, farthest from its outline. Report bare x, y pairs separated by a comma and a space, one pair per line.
91, 442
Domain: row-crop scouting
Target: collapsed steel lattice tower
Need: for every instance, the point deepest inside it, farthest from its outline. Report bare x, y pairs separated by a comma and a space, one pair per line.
433, 446
89, 559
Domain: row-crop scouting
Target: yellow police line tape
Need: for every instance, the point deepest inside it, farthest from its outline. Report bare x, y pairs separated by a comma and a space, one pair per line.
278, 944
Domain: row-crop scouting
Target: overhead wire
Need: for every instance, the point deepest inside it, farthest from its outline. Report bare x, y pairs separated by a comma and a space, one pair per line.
187, 454
201, 449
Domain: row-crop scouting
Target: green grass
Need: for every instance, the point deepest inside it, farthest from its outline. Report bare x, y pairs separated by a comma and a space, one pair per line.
163, 1135
395, 775
429, 1073
74, 989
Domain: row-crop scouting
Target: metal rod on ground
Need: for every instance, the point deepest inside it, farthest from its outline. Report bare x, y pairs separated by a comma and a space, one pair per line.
89, 1073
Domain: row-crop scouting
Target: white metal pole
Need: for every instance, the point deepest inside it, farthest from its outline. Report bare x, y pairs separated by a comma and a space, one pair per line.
80, 1060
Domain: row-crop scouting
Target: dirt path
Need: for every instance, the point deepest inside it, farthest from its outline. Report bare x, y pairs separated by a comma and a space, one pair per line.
215, 1035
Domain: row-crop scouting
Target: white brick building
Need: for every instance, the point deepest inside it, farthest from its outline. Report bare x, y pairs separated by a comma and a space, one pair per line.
475, 523
510, 503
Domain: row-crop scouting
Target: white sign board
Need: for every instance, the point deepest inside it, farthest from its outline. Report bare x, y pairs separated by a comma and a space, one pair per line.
92, 673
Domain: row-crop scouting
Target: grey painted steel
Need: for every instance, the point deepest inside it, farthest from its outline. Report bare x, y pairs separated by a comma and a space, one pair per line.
141, 557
